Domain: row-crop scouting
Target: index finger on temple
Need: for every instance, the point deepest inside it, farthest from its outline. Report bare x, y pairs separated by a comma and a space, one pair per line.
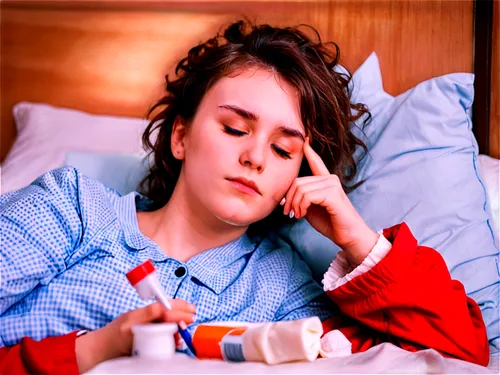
317, 165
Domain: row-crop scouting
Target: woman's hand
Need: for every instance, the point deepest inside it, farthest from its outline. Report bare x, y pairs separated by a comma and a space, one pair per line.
115, 339
322, 201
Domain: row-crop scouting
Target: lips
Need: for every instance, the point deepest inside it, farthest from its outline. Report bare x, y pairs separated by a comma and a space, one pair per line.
248, 183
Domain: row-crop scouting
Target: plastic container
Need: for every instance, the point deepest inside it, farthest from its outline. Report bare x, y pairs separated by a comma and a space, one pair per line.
154, 341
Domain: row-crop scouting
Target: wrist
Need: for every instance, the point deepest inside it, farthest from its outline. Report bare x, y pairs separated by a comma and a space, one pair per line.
358, 250
90, 349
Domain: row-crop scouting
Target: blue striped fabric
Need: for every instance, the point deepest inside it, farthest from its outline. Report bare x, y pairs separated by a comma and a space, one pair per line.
67, 242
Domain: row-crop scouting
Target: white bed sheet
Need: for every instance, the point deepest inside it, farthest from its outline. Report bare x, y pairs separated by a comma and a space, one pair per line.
383, 358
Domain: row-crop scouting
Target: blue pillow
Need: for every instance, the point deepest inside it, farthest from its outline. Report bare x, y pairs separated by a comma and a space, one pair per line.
421, 169
121, 172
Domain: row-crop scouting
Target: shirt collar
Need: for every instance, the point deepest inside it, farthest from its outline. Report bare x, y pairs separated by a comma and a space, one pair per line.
126, 209
217, 268
214, 267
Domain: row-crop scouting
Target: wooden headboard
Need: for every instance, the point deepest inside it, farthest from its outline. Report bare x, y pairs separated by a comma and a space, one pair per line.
110, 57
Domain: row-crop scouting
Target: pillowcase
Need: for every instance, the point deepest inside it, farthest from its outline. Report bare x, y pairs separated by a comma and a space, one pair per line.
490, 175
421, 169
122, 172
46, 133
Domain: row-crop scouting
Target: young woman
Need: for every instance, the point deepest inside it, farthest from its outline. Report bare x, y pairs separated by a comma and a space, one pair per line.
253, 131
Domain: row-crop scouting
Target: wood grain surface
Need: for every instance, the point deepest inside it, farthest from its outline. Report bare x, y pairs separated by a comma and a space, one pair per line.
111, 57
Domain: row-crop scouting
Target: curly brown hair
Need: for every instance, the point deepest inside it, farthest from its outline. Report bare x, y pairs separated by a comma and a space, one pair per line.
307, 64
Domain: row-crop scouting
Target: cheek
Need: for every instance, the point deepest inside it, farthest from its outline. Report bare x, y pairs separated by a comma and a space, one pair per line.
281, 177
204, 149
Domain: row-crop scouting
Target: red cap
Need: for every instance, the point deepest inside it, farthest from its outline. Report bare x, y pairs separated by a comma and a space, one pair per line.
140, 272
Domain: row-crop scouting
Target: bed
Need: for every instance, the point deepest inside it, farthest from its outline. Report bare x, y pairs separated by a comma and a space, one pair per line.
77, 73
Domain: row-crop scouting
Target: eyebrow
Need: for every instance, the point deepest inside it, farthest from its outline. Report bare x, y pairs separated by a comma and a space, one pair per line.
241, 112
290, 132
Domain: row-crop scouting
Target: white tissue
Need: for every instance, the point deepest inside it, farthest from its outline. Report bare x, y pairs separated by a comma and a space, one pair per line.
335, 344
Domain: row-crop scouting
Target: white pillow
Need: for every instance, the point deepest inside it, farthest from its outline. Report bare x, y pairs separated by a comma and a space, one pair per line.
45, 133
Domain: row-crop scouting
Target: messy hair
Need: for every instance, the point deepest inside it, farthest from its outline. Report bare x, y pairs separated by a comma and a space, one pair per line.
305, 63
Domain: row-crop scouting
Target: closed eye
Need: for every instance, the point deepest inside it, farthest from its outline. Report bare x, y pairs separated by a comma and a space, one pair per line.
238, 133
233, 131
281, 152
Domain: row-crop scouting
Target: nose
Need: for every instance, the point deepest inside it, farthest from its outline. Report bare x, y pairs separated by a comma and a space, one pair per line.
254, 156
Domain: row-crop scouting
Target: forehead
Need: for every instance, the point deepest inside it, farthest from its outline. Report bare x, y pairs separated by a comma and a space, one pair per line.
259, 91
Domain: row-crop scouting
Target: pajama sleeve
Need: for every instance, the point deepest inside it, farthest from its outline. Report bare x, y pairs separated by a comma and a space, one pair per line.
53, 355
409, 299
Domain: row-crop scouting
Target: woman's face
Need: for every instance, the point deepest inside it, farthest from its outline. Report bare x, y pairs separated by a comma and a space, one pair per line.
243, 148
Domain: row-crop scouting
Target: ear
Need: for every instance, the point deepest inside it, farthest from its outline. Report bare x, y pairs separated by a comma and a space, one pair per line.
178, 138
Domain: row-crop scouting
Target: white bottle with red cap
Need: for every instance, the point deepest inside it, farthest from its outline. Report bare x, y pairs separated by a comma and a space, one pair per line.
145, 281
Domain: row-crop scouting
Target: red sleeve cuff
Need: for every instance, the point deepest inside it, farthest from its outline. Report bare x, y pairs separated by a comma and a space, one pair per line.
53, 355
391, 268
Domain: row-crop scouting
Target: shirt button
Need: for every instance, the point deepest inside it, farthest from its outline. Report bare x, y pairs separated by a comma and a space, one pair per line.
181, 271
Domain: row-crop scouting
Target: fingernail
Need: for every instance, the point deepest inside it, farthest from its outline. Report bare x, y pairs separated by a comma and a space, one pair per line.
283, 201
291, 214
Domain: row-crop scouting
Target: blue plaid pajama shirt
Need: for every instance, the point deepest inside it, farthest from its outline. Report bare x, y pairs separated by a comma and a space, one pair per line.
67, 242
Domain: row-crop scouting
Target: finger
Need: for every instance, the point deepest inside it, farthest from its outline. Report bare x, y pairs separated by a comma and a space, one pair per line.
288, 197
182, 305
304, 207
326, 197
176, 316
149, 313
293, 187
156, 311
318, 197
178, 340
303, 190
146, 314
317, 165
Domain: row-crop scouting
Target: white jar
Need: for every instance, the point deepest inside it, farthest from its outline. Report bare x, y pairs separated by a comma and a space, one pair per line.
154, 340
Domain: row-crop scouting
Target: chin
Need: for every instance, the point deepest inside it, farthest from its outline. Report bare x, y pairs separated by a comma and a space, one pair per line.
238, 219
234, 219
